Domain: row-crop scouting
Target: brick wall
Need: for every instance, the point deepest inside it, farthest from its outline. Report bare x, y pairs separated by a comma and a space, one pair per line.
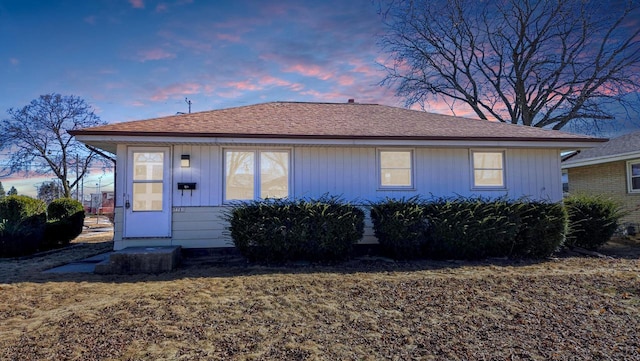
610, 180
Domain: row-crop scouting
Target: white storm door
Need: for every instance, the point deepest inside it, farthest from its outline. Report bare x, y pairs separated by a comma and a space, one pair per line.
147, 208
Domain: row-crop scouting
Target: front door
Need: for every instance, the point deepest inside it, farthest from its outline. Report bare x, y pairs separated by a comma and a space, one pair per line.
147, 209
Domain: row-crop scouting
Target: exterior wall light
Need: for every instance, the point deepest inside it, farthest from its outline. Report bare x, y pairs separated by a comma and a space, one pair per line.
185, 161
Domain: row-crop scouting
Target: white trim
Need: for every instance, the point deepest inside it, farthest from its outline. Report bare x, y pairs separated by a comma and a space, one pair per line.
165, 215
476, 187
98, 140
600, 160
629, 183
256, 169
379, 184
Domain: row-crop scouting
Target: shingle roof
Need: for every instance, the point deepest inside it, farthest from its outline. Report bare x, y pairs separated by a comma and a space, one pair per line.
328, 120
625, 144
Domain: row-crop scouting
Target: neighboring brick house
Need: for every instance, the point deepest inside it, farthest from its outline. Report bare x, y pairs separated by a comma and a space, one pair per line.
611, 169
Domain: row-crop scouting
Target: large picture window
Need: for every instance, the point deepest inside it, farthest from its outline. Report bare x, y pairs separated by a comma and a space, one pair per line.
253, 174
488, 169
396, 168
633, 176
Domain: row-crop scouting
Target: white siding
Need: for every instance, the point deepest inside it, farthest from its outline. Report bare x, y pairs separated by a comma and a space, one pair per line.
349, 172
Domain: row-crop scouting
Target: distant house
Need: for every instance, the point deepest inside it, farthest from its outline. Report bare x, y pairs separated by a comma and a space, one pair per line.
176, 175
611, 169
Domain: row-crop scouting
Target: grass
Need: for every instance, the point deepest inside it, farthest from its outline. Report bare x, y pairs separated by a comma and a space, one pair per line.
565, 308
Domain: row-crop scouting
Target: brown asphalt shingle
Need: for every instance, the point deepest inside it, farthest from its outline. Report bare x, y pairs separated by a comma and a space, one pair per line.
625, 144
327, 120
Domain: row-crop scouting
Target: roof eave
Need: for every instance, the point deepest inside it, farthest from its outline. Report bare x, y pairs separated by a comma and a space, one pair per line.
329, 136
600, 160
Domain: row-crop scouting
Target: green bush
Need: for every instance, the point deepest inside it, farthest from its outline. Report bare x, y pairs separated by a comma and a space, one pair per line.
542, 230
471, 228
592, 220
22, 225
287, 230
401, 227
65, 222
468, 228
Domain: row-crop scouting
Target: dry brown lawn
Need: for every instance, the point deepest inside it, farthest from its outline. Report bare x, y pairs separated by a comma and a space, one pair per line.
570, 308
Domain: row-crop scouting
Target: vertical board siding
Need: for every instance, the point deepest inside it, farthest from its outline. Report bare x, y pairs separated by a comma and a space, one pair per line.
348, 172
205, 170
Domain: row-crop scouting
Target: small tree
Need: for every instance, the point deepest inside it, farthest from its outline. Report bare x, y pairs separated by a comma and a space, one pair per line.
2, 192
49, 191
12, 192
38, 138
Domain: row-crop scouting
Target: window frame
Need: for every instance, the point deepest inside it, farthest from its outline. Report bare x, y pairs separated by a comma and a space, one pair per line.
412, 170
475, 186
630, 176
257, 174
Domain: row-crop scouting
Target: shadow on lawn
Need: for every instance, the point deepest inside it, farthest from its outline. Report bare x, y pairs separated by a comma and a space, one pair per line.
231, 264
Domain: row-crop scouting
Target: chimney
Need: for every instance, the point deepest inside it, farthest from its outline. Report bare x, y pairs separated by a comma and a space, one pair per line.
351, 101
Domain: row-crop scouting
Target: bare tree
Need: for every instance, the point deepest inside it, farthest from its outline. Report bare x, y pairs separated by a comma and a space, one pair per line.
49, 191
37, 139
541, 63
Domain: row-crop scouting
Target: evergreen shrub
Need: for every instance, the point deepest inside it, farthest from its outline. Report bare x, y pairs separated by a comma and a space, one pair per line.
277, 230
592, 220
22, 225
65, 222
468, 228
401, 227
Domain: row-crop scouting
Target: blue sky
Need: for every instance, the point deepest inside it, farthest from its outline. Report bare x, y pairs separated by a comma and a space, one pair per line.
138, 59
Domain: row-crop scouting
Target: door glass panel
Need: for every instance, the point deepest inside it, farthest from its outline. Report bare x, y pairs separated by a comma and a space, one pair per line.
147, 197
239, 175
148, 166
274, 174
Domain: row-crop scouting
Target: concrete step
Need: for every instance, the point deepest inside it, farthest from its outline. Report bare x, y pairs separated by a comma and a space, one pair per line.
133, 260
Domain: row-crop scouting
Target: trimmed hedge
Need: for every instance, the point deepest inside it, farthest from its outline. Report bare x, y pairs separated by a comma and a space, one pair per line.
468, 228
401, 227
22, 225
65, 222
285, 230
592, 220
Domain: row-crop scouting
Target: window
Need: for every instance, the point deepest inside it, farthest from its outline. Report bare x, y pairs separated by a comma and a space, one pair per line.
633, 176
252, 174
396, 168
488, 169
148, 171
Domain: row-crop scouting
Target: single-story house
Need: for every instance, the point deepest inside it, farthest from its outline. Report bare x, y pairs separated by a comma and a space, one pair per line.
611, 169
176, 175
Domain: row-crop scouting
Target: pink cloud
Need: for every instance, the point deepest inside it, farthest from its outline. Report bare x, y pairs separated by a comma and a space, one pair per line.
174, 90
162, 8
14, 61
153, 54
243, 85
314, 71
90, 19
137, 4
346, 80
137, 103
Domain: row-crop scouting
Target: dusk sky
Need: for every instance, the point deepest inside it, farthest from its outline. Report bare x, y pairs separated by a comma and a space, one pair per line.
138, 59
